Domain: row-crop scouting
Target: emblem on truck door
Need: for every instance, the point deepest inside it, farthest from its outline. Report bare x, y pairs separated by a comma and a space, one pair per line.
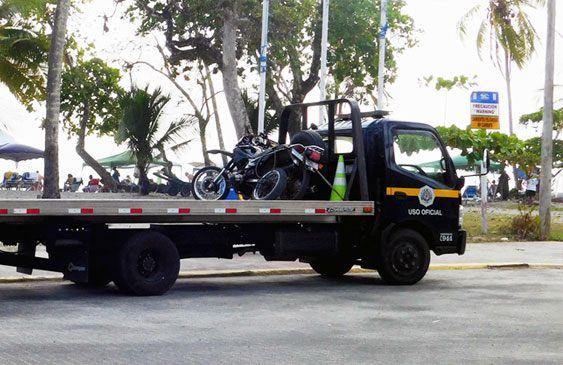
426, 196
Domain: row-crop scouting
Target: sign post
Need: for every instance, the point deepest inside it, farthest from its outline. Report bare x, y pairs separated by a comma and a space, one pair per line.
263, 66
484, 115
484, 110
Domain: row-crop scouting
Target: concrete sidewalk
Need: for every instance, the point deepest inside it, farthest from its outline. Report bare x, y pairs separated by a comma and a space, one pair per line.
477, 255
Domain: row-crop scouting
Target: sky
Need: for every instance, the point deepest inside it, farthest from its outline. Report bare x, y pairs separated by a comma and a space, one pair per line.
440, 52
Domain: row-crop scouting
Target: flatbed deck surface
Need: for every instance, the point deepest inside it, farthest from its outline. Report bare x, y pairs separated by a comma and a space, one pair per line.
176, 210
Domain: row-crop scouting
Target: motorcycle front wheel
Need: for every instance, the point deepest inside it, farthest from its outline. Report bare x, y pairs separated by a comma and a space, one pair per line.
271, 185
204, 186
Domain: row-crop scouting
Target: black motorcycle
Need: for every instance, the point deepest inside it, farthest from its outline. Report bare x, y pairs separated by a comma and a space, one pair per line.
258, 169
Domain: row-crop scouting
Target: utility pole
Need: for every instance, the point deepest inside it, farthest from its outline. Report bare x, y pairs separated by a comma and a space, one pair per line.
263, 66
547, 134
324, 44
381, 70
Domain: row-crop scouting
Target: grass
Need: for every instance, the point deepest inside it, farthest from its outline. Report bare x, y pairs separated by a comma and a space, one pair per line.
497, 227
515, 207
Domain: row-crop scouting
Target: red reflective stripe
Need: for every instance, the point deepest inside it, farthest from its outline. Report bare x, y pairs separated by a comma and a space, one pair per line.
320, 210
3, 211
87, 210
184, 210
32, 211
136, 210
275, 210
231, 210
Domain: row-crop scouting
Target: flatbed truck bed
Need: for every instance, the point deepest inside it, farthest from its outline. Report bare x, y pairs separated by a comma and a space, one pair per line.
178, 210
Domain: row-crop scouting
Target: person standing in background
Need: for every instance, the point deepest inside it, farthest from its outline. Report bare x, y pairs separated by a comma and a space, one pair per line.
503, 185
115, 174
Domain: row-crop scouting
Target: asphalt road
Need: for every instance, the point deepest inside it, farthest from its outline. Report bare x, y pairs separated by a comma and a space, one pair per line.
467, 316
546, 252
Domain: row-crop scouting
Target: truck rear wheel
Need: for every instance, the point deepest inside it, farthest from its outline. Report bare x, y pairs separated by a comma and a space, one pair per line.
147, 264
405, 259
332, 266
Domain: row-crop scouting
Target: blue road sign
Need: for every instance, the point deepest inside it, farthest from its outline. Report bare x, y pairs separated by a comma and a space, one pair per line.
490, 97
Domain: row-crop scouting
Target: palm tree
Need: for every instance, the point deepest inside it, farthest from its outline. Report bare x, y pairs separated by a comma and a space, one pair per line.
511, 37
54, 101
139, 127
23, 52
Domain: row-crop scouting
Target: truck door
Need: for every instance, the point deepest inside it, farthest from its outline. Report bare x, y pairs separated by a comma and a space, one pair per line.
420, 181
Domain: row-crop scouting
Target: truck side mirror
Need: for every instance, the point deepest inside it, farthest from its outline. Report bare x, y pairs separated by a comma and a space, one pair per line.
486, 161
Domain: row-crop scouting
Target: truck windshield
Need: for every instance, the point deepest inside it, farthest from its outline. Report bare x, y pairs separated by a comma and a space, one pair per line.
419, 152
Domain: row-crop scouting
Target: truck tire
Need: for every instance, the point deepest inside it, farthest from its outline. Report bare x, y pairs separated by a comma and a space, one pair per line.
147, 264
271, 185
298, 181
310, 138
405, 259
332, 267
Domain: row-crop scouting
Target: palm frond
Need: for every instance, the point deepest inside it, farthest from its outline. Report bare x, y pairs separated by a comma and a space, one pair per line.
466, 18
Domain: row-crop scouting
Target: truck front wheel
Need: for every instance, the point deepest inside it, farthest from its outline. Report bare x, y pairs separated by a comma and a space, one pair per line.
147, 264
405, 259
332, 266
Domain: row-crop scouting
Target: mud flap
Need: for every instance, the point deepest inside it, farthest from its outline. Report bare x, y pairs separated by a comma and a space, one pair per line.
71, 256
26, 249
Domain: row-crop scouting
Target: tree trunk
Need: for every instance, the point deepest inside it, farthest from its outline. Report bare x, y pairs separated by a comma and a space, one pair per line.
143, 178
206, 159
108, 181
168, 168
216, 115
547, 134
507, 61
51, 172
230, 75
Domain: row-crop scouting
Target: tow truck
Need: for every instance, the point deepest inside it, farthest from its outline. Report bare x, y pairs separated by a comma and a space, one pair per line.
397, 208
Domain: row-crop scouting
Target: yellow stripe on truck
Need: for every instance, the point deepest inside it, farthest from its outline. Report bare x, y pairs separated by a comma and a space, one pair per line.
439, 193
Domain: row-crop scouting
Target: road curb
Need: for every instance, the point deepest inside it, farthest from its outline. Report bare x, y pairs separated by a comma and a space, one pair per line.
299, 271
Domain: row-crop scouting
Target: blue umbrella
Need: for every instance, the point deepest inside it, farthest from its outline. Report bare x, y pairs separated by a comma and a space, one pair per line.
19, 152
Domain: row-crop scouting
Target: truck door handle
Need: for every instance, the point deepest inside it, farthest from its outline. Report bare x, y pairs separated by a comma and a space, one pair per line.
401, 195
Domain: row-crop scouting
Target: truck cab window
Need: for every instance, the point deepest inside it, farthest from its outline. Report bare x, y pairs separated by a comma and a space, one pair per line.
420, 153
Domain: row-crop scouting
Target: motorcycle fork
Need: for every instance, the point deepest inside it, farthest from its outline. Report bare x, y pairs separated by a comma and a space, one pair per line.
223, 171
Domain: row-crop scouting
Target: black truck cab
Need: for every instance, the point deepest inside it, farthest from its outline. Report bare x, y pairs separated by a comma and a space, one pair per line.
405, 169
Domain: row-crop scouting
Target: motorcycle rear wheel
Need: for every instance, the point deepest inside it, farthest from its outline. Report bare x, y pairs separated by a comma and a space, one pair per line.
203, 187
271, 185
298, 181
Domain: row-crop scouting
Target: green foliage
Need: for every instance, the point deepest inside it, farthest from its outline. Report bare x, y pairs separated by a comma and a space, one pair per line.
473, 143
95, 85
411, 143
505, 149
525, 225
140, 124
23, 51
508, 28
271, 121
537, 117
461, 81
353, 52
193, 28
